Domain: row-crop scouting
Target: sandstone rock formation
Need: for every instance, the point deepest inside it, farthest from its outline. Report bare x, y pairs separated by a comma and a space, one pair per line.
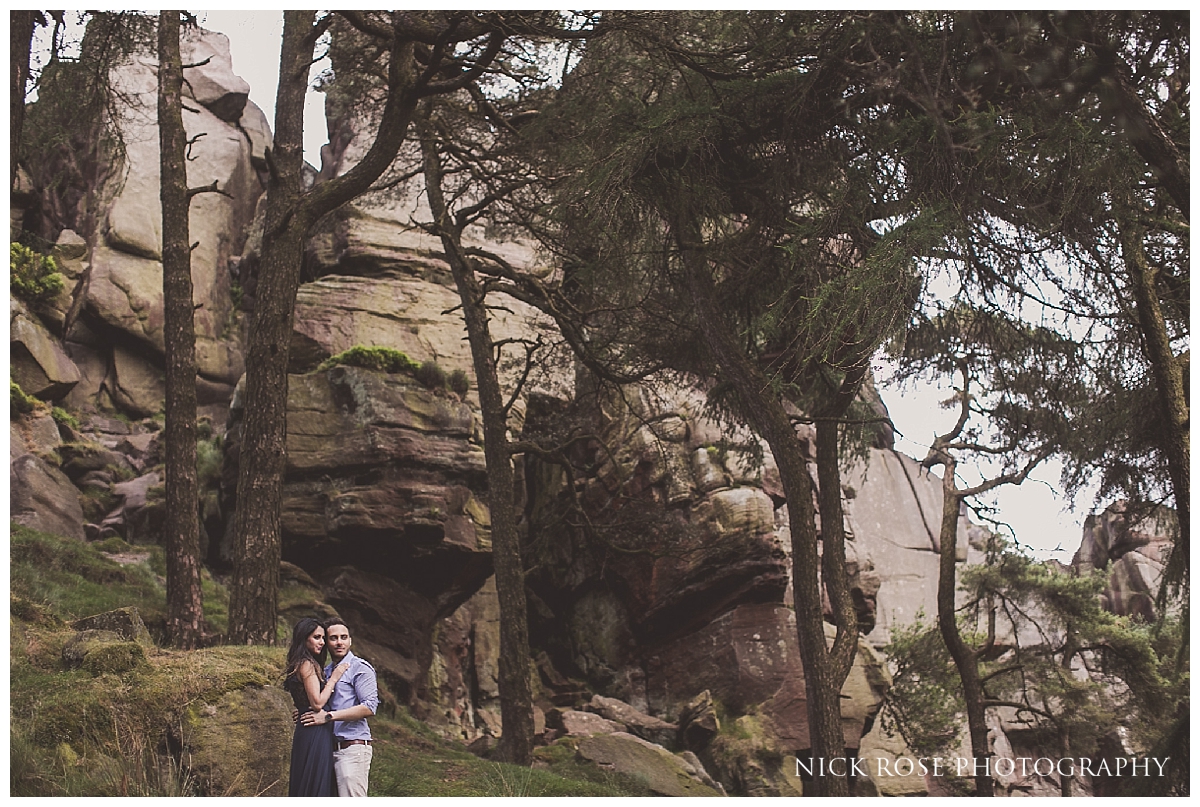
1134, 547
41, 497
382, 505
894, 509
119, 287
241, 744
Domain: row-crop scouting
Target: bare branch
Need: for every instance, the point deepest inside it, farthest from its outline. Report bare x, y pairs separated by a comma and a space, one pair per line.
210, 188
530, 349
1014, 478
467, 76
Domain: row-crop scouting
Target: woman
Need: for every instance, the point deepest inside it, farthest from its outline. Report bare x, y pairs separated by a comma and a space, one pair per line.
312, 746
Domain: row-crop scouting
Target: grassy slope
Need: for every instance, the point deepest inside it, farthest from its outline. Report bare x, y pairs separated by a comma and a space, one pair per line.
106, 734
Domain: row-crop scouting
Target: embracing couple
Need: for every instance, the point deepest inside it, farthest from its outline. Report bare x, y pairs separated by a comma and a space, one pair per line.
333, 703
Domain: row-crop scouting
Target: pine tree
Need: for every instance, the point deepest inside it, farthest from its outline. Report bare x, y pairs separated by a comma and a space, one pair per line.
185, 615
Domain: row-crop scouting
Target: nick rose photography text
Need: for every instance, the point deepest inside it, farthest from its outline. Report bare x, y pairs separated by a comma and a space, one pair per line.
966, 766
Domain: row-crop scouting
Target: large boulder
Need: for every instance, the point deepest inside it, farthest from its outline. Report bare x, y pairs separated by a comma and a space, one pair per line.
463, 696
664, 773
41, 497
407, 313
137, 383
100, 652
894, 507
642, 725
123, 289
749, 659
33, 433
384, 505
38, 362
210, 77
676, 552
125, 623
582, 724
240, 744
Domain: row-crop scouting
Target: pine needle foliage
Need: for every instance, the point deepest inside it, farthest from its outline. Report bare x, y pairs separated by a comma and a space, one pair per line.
1074, 672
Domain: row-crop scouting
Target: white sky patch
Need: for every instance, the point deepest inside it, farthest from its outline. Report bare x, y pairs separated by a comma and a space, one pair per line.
254, 43
1042, 519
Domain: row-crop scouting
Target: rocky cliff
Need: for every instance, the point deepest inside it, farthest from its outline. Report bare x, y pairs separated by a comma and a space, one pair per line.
658, 568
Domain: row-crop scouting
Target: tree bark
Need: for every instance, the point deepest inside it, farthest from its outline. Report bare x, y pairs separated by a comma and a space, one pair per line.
21, 25
263, 453
1168, 377
185, 614
764, 412
516, 696
965, 659
290, 214
833, 532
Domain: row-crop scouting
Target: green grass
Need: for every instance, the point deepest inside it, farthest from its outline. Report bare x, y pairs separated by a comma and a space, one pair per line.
76, 580
389, 360
64, 417
410, 760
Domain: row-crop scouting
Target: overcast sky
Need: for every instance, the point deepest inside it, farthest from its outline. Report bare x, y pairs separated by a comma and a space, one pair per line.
254, 39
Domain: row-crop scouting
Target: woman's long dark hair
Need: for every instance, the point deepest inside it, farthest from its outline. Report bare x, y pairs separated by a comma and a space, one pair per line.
298, 653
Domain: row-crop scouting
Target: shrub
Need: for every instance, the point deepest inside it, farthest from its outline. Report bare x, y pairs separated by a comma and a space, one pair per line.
459, 382
209, 457
384, 359
33, 277
431, 374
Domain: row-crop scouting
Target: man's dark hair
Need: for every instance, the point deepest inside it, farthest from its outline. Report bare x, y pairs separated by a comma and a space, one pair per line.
336, 620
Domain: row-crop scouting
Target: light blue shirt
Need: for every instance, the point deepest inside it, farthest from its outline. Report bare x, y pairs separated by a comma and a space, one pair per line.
356, 687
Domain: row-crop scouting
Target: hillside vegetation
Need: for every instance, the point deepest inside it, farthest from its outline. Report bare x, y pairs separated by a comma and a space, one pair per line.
119, 718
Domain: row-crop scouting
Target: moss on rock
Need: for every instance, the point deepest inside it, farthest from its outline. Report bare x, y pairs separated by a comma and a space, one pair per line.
240, 744
114, 657
125, 622
384, 359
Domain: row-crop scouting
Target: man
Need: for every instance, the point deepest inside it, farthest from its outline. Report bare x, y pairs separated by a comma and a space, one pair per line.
355, 698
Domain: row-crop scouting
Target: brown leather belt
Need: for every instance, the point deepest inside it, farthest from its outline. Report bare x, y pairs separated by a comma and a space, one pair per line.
347, 743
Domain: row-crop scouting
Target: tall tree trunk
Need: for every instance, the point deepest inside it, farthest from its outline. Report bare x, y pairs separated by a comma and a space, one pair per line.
763, 410
516, 696
185, 614
21, 25
1168, 378
965, 659
290, 213
263, 452
829, 500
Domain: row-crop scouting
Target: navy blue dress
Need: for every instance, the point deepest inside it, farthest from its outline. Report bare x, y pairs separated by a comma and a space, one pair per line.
312, 750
